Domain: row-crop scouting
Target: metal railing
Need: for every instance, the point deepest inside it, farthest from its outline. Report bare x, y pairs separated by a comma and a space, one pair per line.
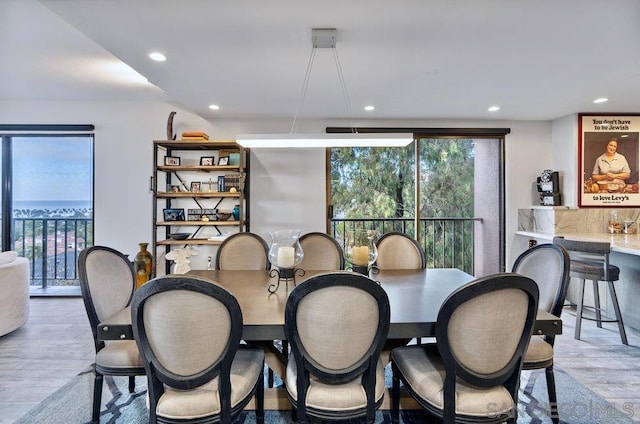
52, 246
447, 242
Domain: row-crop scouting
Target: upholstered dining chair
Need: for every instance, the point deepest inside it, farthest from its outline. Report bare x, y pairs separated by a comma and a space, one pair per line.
472, 373
243, 251
249, 251
107, 282
188, 330
548, 265
399, 251
321, 251
336, 324
590, 261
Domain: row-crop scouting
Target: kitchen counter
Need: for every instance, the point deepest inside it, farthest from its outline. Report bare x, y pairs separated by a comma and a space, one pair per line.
622, 243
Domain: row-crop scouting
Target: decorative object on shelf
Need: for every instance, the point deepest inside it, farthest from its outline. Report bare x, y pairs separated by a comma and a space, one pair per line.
201, 214
360, 250
223, 216
236, 212
285, 253
195, 135
143, 264
170, 134
172, 161
207, 160
179, 236
171, 214
181, 259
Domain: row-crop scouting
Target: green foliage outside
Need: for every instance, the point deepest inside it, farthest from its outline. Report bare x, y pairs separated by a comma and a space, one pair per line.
379, 183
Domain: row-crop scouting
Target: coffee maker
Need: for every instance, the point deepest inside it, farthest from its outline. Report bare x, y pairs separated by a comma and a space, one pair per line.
548, 184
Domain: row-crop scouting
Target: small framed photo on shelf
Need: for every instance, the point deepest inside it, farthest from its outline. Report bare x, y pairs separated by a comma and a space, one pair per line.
195, 186
172, 160
207, 160
171, 214
224, 160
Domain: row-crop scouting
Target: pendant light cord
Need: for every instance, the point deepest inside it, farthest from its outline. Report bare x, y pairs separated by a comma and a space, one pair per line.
343, 86
305, 87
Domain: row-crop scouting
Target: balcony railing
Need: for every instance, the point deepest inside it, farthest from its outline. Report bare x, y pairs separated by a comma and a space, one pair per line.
447, 242
52, 246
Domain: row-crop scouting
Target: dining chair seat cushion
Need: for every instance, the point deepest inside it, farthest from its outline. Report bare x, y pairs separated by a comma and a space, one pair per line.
204, 401
591, 270
325, 396
539, 352
424, 372
119, 354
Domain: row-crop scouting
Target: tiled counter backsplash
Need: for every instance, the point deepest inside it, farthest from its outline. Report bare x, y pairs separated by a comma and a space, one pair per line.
555, 220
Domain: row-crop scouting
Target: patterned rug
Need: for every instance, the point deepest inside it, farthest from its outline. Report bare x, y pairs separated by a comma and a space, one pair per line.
71, 404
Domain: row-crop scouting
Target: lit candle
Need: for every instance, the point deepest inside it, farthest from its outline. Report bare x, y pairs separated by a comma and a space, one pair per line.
286, 256
360, 255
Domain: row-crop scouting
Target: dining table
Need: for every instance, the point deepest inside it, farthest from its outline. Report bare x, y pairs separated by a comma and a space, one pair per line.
414, 296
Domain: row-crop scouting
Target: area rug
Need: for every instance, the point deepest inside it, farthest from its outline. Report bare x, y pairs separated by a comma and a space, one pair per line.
71, 404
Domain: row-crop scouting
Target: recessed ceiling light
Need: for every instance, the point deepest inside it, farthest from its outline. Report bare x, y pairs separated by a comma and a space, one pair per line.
601, 100
214, 107
158, 57
494, 108
369, 108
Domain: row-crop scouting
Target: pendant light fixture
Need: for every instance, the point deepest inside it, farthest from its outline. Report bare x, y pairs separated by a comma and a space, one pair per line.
323, 38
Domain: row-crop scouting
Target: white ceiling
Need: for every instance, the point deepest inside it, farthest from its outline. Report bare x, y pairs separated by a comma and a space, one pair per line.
415, 59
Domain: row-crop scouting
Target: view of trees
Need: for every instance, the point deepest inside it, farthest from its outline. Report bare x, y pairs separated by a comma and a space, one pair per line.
379, 183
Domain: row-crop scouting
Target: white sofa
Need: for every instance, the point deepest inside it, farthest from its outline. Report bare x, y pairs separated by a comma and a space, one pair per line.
14, 292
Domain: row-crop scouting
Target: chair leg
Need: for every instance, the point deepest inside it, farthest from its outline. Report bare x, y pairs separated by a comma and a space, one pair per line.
395, 395
132, 383
551, 391
579, 310
260, 401
97, 397
616, 308
270, 377
596, 300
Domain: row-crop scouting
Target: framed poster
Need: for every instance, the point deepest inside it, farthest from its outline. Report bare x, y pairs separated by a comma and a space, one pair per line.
608, 147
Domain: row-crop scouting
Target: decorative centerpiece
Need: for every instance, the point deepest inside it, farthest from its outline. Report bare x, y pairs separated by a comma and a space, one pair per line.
360, 250
285, 254
143, 264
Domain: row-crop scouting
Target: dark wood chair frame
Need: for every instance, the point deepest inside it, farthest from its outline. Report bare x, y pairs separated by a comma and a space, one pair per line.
365, 368
509, 376
158, 376
556, 309
101, 371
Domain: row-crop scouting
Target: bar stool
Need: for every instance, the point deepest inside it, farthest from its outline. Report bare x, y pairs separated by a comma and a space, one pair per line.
590, 261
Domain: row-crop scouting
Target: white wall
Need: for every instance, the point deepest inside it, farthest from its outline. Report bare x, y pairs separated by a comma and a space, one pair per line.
287, 186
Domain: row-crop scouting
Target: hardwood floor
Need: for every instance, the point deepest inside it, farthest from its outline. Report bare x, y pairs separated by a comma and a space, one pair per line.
56, 345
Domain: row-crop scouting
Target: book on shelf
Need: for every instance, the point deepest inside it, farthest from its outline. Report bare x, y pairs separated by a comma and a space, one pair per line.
195, 135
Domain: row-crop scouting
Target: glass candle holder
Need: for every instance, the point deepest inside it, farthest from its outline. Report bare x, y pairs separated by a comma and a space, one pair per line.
285, 254
360, 250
